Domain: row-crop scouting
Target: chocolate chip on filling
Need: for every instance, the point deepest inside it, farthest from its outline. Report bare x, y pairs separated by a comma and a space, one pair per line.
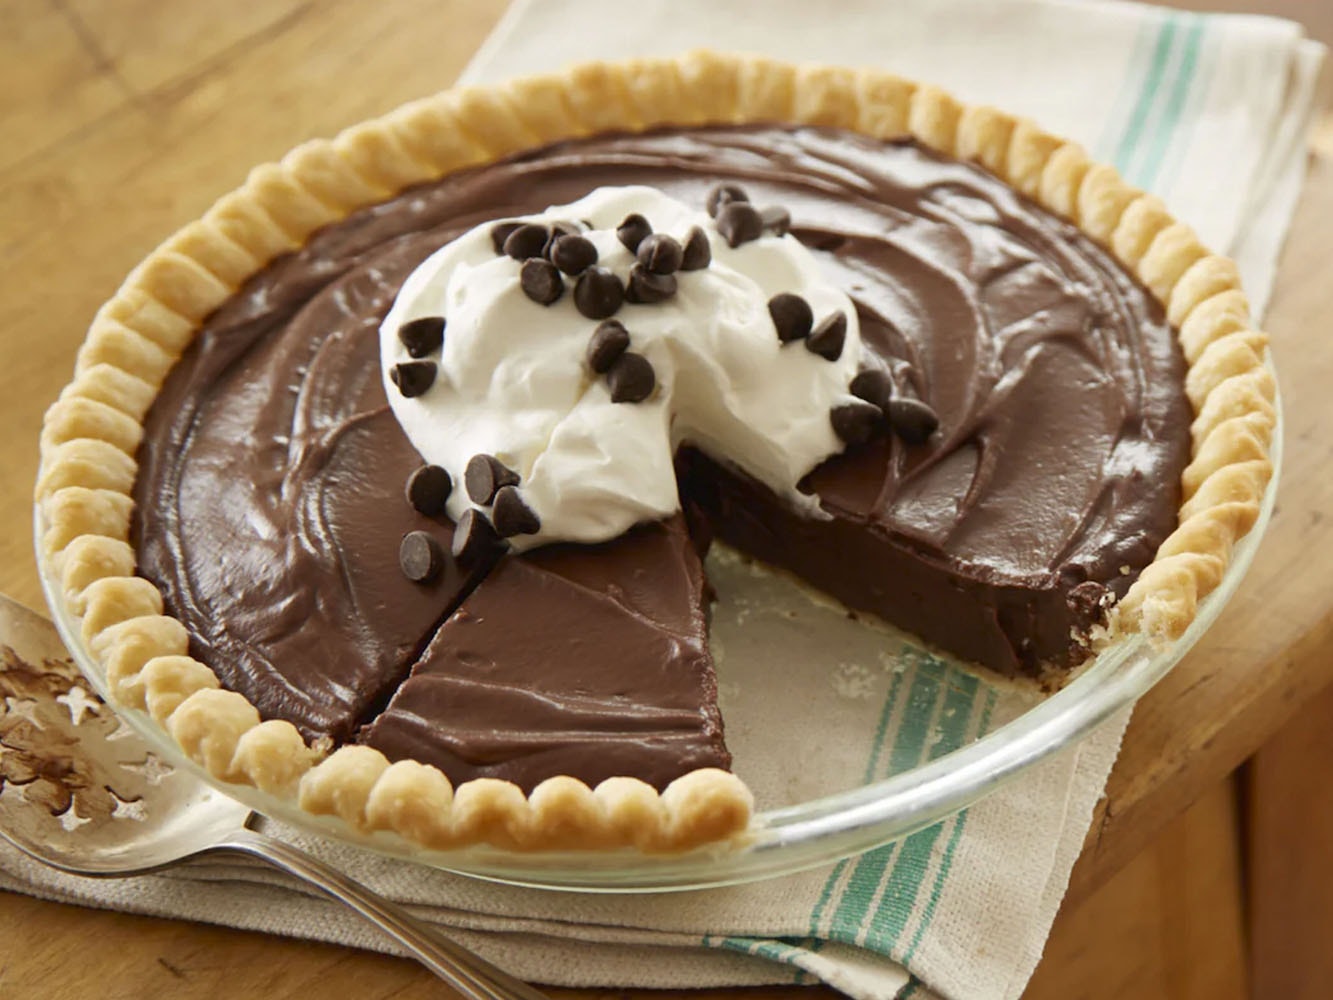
912, 420
420, 557
856, 422
776, 219
428, 489
874, 385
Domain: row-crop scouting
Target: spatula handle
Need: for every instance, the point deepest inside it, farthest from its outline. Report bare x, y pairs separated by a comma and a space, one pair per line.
469, 974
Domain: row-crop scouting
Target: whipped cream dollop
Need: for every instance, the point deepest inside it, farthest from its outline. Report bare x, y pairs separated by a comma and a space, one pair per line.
513, 380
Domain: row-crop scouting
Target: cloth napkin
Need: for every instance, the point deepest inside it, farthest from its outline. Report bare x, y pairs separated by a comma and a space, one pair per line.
1211, 113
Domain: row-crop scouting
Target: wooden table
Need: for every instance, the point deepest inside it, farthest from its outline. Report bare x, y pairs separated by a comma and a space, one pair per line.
127, 117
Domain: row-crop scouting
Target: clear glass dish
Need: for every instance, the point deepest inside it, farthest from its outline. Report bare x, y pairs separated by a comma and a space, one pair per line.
814, 827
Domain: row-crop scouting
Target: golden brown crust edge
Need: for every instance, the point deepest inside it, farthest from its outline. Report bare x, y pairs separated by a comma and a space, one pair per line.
91, 433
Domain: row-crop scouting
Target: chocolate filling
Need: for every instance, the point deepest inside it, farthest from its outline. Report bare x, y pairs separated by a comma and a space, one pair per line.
270, 502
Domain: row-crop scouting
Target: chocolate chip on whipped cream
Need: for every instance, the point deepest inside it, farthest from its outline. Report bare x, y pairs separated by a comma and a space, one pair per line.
631, 378
739, 222
573, 254
485, 476
827, 338
475, 539
647, 288
792, 316
609, 341
413, 377
511, 516
660, 254
500, 232
720, 194
528, 240
696, 362
422, 336
632, 231
541, 281
428, 490
696, 254
599, 293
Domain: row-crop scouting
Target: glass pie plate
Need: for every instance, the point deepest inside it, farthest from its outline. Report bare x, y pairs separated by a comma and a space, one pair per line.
916, 737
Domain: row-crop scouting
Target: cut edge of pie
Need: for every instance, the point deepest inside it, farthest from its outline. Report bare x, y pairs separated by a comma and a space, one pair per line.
91, 434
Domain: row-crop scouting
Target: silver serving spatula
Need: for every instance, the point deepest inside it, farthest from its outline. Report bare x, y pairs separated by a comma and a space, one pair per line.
80, 791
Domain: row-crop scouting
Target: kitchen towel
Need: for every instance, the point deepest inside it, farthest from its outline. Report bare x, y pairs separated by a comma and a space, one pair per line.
1210, 112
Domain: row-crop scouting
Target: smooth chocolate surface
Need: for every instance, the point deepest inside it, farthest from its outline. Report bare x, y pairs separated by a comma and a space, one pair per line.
270, 503
601, 651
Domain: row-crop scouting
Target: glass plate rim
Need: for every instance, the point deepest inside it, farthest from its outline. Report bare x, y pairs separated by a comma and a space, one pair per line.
785, 840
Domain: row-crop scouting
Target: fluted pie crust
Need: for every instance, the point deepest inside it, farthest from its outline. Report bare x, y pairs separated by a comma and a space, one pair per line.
91, 434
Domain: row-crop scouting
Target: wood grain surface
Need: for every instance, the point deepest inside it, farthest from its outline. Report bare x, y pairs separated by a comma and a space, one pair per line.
126, 118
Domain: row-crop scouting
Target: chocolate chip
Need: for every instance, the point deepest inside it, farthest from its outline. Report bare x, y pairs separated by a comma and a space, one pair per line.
912, 420
739, 222
573, 254
540, 281
777, 219
874, 385
608, 342
527, 241
501, 232
697, 253
633, 231
428, 488
484, 475
475, 539
721, 195
828, 337
421, 336
660, 254
792, 316
420, 557
646, 288
855, 422
512, 516
413, 377
631, 378
599, 293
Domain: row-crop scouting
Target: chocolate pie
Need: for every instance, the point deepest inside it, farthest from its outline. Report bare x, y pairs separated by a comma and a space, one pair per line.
387, 484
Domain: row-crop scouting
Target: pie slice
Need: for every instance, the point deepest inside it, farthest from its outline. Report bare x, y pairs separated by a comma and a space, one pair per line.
572, 659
